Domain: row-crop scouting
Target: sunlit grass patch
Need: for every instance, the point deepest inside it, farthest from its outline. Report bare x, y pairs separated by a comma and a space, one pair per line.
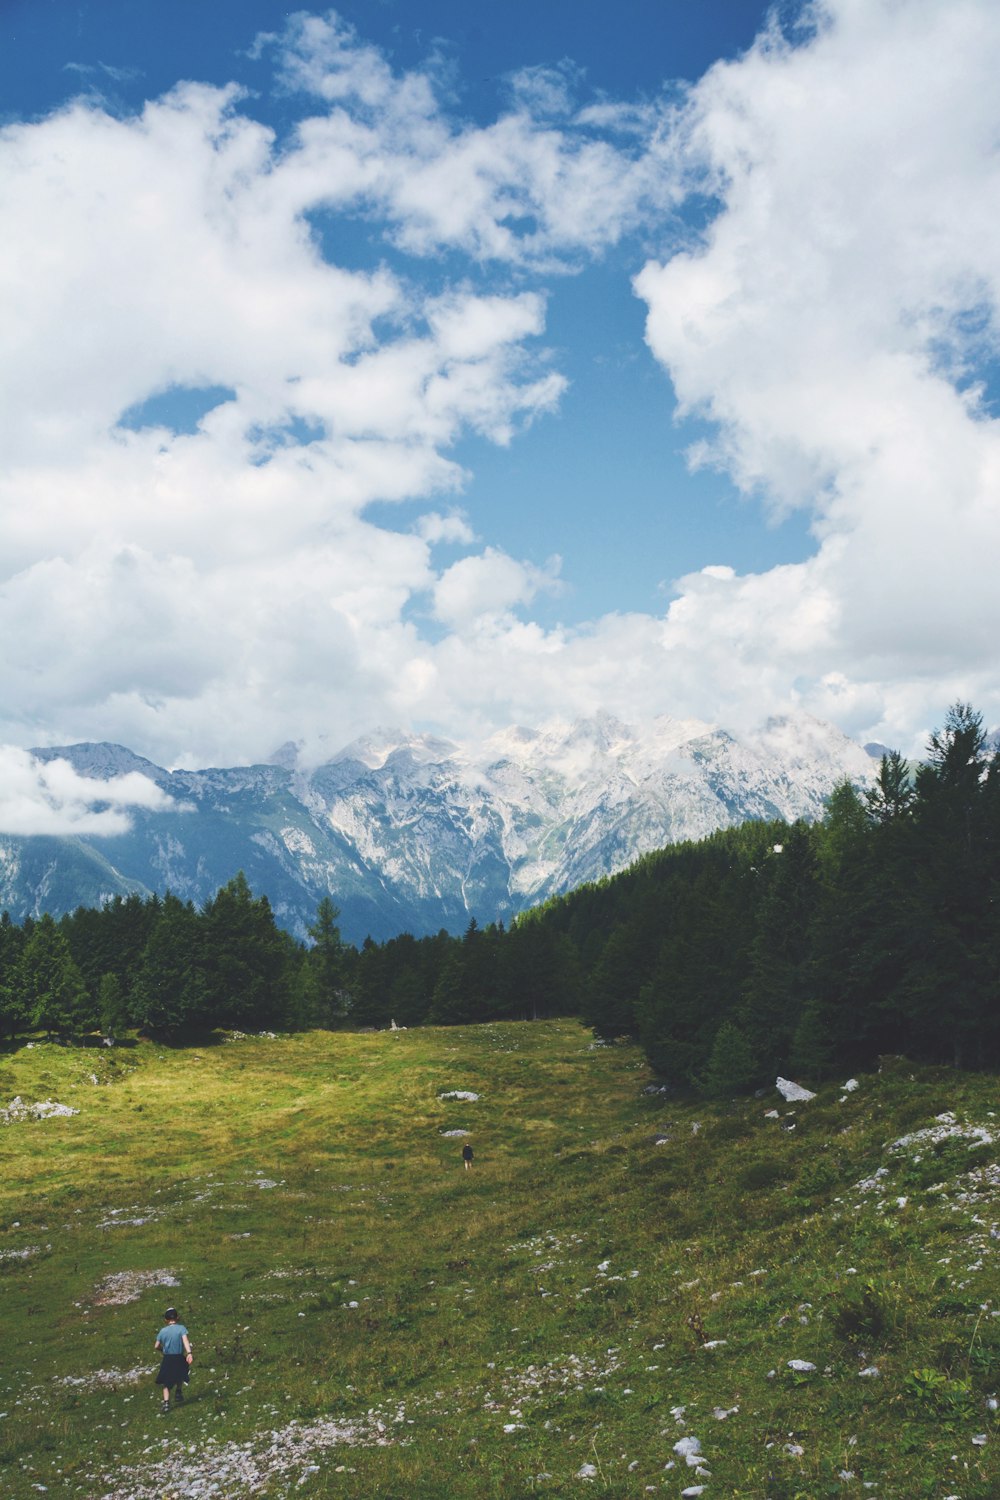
615, 1271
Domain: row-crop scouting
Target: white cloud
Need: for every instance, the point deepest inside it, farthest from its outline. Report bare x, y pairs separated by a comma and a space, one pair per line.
538, 183
203, 596
824, 324
50, 797
453, 527
478, 590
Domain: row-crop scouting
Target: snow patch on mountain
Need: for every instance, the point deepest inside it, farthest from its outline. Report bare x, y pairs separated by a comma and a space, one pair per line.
412, 831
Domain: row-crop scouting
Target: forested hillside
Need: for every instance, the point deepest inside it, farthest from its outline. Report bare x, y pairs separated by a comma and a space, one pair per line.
766, 948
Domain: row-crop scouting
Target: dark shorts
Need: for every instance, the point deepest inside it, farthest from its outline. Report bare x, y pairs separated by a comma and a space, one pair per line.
174, 1370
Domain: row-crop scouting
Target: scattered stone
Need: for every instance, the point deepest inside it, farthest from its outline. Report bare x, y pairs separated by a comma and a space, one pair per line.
107, 1379
801, 1366
246, 1468
689, 1448
792, 1093
465, 1094
128, 1286
44, 1109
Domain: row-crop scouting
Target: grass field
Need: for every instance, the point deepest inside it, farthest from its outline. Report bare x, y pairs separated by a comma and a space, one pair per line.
371, 1320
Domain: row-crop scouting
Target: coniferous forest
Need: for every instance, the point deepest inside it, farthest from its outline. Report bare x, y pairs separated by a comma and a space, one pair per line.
767, 948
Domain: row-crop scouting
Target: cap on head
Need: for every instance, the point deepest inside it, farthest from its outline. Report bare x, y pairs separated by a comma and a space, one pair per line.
171, 1313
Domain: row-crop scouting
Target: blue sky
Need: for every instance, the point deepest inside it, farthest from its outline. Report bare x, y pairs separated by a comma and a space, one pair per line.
448, 366
604, 482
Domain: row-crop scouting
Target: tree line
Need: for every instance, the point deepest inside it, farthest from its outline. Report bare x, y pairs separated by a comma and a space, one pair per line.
765, 948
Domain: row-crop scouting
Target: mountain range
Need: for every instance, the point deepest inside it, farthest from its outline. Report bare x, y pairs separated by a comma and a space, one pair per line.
408, 832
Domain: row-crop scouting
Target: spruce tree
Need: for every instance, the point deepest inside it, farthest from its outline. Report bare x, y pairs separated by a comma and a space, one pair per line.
51, 985
731, 1068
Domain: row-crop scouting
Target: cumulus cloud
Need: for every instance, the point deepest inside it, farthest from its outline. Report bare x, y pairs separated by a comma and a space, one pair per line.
50, 797
478, 590
827, 325
538, 185
205, 594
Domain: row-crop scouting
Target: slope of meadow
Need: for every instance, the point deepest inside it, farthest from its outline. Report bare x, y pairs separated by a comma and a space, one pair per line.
627, 1295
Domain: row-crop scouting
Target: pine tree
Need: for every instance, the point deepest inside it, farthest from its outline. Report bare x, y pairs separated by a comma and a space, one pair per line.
169, 991
111, 1007
50, 983
731, 1065
780, 978
248, 962
13, 1009
325, 998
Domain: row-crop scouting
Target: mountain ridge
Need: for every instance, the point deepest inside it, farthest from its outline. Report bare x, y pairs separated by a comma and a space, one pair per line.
412, 832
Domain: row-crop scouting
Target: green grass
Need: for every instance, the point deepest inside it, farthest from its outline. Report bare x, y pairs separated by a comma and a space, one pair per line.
570, 1288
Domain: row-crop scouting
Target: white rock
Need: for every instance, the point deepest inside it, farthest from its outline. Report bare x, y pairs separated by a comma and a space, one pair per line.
801, 1366
792, 1093
850, 1086
587, 1471
689, 1448
465, 1094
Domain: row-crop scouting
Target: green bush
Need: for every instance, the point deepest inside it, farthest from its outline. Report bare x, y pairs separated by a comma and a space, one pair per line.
759, 1175
862, 1316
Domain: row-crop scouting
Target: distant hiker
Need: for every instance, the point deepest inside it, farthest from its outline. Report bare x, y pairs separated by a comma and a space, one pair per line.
175, 1367
467, 1154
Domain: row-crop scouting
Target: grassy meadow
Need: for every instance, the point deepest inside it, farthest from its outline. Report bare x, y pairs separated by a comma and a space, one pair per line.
607, 1303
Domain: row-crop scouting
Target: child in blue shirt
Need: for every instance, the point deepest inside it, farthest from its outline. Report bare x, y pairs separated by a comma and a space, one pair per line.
175, 1367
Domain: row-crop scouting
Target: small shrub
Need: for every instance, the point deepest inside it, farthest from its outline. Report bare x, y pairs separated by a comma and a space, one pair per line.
950, 1400
817, 1177
863, 1316
762, 1174
945, 1160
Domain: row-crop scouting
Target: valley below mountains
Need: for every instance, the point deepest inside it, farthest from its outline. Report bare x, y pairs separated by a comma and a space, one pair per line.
407, 832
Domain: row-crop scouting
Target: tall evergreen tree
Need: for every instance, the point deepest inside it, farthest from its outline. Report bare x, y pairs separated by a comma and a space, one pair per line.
13, 1009
247, 961
731, 1067
780, 979
169, 993
112, 1011
943, 989
51, 985
325, 997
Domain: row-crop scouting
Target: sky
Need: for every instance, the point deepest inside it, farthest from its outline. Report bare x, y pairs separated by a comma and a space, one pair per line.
445, 367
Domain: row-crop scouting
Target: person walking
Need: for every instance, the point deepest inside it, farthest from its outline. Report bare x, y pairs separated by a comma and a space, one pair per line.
175, 1366
467, 1154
